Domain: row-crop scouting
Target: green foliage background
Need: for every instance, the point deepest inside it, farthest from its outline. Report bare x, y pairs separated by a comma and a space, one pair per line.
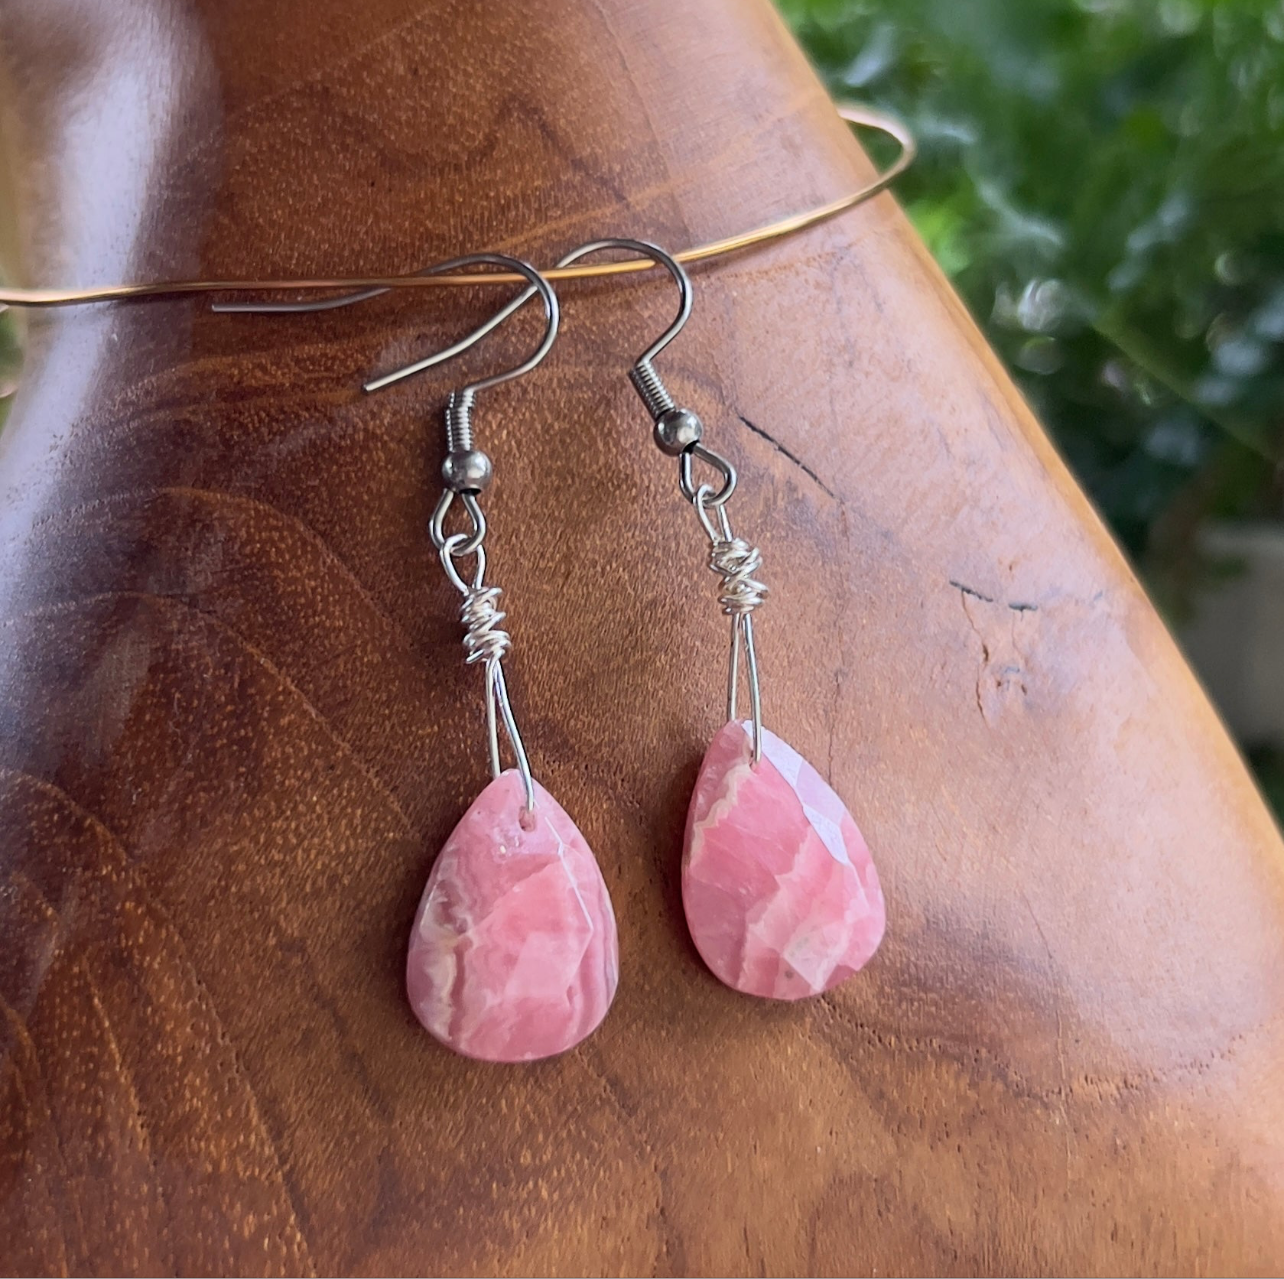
1104, 182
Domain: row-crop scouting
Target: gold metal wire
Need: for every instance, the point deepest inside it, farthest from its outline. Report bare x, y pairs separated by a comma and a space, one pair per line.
853, 113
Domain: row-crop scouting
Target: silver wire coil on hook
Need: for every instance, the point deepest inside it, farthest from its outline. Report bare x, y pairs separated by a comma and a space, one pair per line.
485, 641
459, 421
736, 561
655, 395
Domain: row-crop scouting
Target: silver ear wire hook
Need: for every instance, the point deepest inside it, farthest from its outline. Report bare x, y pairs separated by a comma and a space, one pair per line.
538, 284
644, 248
466, 472
679, 433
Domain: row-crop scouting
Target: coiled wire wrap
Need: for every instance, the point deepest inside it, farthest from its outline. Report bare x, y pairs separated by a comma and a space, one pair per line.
736, 561
487, 642
484, 641
459, 420
646, 381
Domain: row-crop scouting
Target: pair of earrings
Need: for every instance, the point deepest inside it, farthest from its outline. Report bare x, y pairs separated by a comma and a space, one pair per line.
514, 954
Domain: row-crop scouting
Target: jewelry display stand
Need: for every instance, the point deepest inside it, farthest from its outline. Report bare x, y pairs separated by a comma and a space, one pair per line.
235, 729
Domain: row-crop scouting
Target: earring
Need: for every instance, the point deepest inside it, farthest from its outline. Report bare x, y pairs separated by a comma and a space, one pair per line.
513, 955
779, 890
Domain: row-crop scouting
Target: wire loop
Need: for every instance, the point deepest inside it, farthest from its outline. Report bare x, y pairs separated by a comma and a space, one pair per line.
686, 481
455, 548
437, 525
853, 113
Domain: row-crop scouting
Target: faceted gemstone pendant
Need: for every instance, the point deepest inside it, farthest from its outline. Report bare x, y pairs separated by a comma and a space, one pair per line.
780, 893
514, 954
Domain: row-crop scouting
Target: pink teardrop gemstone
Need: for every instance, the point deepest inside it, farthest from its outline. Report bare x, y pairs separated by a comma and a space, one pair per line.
780, 892
514, 953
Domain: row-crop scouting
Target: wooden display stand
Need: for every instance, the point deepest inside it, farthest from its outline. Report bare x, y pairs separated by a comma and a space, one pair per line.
235, 726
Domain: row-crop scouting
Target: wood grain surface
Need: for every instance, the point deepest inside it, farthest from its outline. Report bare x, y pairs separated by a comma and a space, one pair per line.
235, 724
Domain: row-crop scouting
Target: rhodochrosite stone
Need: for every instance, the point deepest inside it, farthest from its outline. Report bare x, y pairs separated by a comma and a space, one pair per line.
781, 895
514, 953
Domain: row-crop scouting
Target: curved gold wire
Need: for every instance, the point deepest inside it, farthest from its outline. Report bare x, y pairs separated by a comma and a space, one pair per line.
853, 113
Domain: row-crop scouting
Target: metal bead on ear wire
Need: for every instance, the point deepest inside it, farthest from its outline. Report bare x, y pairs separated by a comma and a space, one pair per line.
513, 955
778, 886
